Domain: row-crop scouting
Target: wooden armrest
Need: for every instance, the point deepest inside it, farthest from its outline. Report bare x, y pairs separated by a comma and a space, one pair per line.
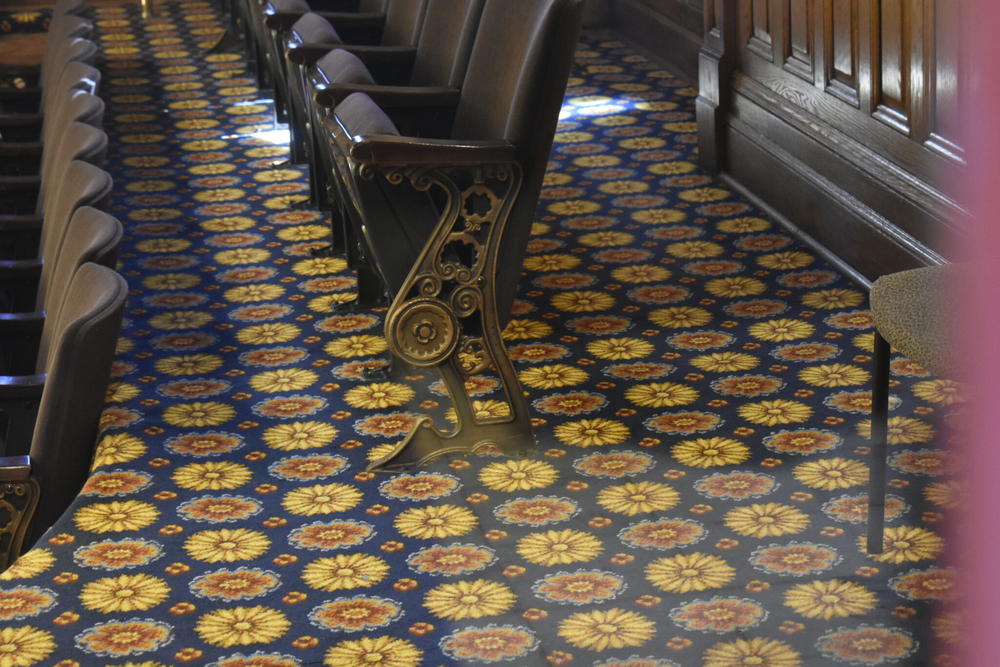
307, 53
390, 97
19, 387
11, 223
26, 182
396, 151
20, 119
21, 324
20, 93
283, 21
16, 149
15, 468
11, 269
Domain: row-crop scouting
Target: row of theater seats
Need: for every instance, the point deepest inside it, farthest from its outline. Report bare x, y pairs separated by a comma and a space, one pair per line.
61, 300
427, 125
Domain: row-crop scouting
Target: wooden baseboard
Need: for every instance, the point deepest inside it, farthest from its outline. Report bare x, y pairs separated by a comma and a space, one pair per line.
833, 220
669, 40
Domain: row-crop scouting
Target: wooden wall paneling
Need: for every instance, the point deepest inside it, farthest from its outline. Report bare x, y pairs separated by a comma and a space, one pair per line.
758, 21
892, 74
946, 74
671, 29
798, 38
840, 35
715, 67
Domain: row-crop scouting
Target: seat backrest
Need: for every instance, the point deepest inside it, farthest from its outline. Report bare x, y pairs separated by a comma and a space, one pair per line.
72, 105
403, 20
80, 184
77, 141
75, 49
91, 236
74, 76
517, 97
311, 27
83, 344
62, 27
446, 39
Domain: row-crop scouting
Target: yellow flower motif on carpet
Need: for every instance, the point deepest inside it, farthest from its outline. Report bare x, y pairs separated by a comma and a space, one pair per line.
903, 544
374, 652
559, 547
25, 645
600, 630
661, 394
321, 499
115, 517
592, 432
180, 319
30, 564
638, 497
772, 413
616, 349
766, 520
520, 329
268, 334
469, 599
299, 435
830, 599
226, 545
944, 392
684, 573
379, 395
831, 474
710, 452
834, 375
251, 293
756, 651
786, 260
776, 331
285, 379
734, 286
725, 362
582, 301
126, 592
552, 376
241, 626
830, 299
435, 522
553, 262
189, 415
188, 364
640, 273
117, 448
902, 430
319, 266
518, 475
345, 571
676, 317
212, 476
356, 346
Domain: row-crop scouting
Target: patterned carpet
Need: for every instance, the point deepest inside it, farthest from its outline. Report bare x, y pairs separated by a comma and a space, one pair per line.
699, 382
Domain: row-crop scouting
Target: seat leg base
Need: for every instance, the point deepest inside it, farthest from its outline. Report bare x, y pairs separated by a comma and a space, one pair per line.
425, 442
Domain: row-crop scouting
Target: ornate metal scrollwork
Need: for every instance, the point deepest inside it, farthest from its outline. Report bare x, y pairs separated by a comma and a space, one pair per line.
18, 500
424, 332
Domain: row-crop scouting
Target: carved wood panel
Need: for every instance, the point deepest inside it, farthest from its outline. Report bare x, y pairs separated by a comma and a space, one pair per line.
887, 72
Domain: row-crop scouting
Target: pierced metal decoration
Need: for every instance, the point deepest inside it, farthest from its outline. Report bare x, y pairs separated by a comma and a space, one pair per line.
18, 500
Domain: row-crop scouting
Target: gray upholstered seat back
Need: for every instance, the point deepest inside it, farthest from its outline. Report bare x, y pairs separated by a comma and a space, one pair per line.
445, 42
91, 236
403, 20
513, 90
83, 344
81, 184
76, 141
73, 49
73, 105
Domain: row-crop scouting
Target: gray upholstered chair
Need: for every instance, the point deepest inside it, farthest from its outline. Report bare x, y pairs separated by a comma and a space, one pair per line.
38, 485
910, 312
442, 223
390, 75
29, 126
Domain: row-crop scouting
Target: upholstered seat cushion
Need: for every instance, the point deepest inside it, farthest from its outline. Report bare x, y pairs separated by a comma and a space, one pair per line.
914, 312
340, 66
311, 28
361, 116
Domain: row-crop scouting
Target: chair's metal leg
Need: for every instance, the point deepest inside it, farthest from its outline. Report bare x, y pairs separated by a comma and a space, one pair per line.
879, 445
